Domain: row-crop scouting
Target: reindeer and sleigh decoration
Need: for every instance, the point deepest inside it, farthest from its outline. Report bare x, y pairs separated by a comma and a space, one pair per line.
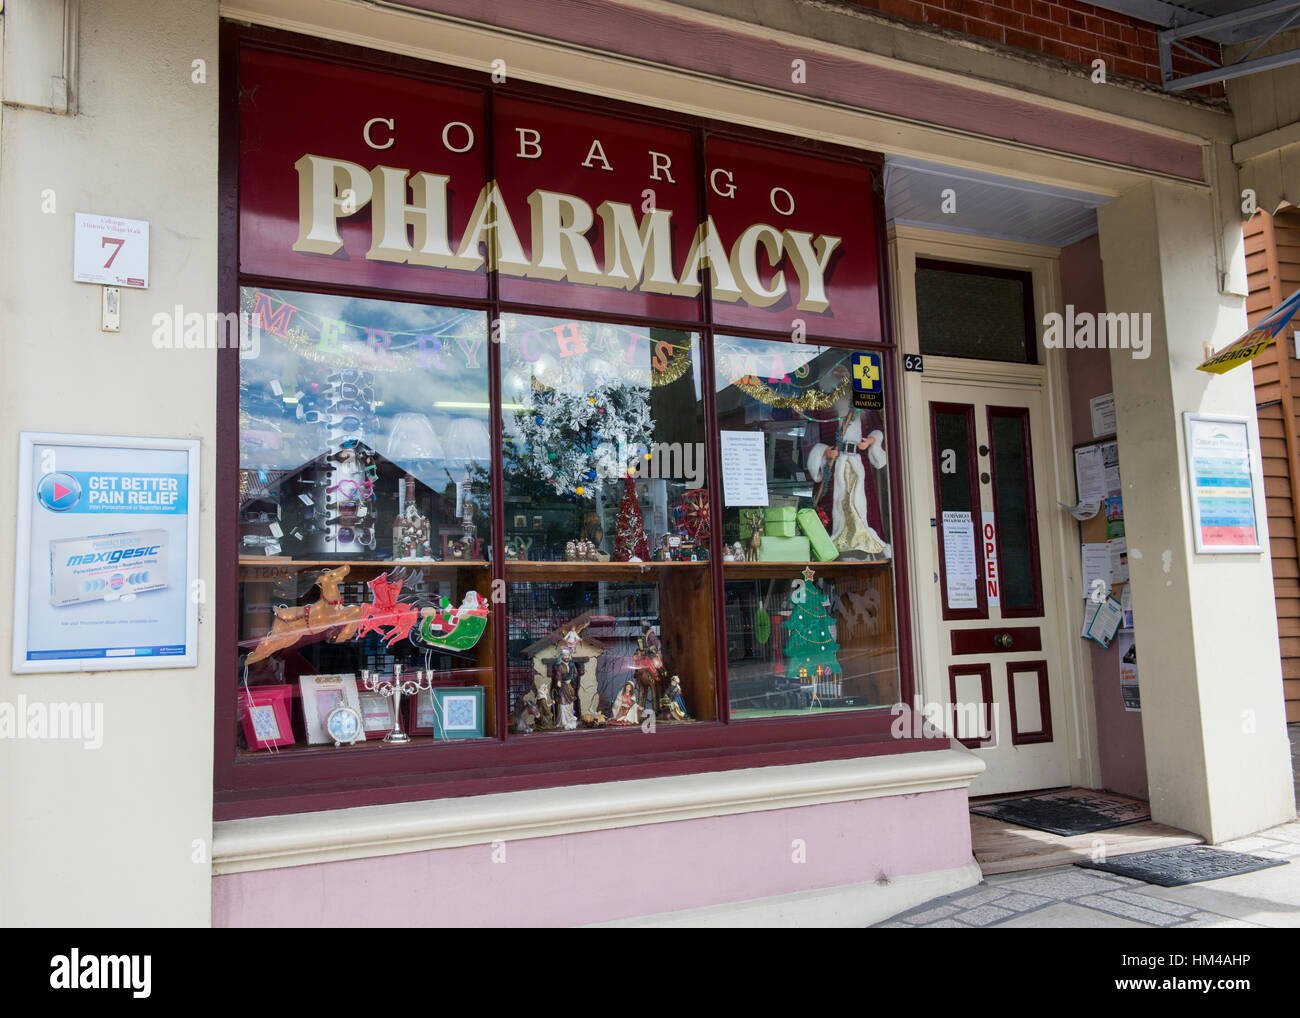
440, 626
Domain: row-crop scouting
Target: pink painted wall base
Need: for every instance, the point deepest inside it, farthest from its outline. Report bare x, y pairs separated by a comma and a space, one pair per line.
601, 876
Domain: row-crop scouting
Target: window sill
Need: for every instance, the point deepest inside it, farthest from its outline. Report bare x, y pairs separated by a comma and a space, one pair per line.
366, 831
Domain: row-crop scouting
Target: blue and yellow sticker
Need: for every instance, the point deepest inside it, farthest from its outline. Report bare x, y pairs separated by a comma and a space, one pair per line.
867, 371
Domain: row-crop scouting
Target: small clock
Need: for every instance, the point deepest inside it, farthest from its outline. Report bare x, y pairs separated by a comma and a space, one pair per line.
344, 726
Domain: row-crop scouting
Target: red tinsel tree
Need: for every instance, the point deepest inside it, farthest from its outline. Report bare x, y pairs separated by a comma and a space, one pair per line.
629, 538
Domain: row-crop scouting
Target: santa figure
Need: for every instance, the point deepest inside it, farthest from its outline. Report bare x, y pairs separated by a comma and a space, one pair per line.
844, 453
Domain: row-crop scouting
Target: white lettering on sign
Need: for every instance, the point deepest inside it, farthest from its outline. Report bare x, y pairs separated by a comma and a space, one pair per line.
991, 575
371, 141
637, 252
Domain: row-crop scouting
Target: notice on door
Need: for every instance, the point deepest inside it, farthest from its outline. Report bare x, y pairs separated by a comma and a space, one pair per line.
992, 580
959, 559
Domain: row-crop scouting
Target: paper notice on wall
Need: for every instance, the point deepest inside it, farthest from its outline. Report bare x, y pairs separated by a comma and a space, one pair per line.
1110, 469
1128, 671
1089, 474
1101, 620
744, 468
1096, 570
1083, 510
1126, 600
959, 559
1118, 548
1102, 409
992, 577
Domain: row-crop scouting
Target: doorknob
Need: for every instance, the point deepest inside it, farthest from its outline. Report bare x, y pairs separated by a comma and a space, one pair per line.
1003, 640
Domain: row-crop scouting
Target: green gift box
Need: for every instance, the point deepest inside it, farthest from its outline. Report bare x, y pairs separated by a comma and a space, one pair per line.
778, 521
784, 549
822, 547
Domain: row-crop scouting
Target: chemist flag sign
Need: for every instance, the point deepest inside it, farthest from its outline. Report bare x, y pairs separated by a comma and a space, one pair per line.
1254, 342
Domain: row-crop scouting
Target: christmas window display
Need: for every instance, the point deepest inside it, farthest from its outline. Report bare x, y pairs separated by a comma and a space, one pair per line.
614, 654
363, 513
805, 517
604, 456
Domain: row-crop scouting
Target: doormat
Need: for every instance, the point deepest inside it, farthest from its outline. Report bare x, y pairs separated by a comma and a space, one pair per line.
1186, 864
1074, 811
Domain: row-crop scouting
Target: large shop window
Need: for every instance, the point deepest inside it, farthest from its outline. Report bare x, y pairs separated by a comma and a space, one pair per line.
545, 444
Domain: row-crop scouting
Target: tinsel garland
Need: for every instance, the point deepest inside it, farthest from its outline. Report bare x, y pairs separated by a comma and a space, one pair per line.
814, 400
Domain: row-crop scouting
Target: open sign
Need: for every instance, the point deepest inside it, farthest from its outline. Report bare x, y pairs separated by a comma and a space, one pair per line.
991, 578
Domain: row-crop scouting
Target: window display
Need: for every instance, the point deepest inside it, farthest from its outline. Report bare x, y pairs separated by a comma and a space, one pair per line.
809, 604
592, 437
363, 444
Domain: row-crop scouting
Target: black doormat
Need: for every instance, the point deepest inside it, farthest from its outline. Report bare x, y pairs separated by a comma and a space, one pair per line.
1075, 811
1186, 864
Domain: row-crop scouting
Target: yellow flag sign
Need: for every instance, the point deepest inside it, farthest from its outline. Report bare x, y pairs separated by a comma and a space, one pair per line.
1254, 342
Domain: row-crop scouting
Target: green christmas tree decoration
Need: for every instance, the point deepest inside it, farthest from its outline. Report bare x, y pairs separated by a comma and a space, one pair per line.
810, 644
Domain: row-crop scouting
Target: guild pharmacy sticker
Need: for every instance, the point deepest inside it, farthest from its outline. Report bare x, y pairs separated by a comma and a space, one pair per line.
868, 384
110, 250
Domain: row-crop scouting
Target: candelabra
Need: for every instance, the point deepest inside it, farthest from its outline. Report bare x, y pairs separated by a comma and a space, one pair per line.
395, 687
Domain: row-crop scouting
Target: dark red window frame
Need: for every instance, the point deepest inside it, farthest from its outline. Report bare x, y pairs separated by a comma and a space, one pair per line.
262, 784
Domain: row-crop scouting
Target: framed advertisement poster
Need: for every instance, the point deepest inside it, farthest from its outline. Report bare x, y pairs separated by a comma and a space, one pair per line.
1226, 483
107, 554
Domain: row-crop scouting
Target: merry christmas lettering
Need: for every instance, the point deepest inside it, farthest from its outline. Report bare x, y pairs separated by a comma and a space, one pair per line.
409, 225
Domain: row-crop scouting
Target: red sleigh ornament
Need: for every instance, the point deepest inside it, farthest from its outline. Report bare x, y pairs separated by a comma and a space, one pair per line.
386, 612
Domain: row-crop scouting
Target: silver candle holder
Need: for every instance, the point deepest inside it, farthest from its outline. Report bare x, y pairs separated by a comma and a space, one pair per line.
395, 687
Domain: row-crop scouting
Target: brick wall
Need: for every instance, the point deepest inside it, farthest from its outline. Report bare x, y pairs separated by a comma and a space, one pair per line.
1069, 29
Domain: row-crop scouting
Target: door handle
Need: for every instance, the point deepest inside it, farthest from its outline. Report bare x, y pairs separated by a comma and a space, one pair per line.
1003, 641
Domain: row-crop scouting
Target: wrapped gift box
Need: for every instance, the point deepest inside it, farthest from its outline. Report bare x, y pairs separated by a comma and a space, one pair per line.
778, 521
822, 547
784, 549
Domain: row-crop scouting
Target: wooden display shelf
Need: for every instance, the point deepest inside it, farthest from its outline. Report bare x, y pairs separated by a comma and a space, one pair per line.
791, 570
594, 572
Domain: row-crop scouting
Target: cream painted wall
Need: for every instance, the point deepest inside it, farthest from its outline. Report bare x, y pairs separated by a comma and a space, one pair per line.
1212, 711
108, 836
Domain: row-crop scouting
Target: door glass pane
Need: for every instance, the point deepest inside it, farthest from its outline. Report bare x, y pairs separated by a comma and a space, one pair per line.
1013, 500
971, 311
952, 443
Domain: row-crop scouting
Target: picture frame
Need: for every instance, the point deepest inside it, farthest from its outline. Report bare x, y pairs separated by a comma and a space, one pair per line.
448, 712
1225, 483
78, 496
420, 709
320, 695
264, 715
377, 717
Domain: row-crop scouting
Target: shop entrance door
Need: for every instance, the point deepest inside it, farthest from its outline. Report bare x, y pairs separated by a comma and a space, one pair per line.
993, 655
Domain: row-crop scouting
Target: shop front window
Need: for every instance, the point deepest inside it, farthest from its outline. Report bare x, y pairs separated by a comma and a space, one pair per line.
363, 514
608, 600
542, 470
805, 478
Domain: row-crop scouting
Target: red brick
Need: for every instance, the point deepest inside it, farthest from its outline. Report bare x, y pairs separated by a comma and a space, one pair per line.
1128, 68
1042, 9
1077, 36
1055, 48
1022, 40
1037, 26
945, 19
984, 29
909, 9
